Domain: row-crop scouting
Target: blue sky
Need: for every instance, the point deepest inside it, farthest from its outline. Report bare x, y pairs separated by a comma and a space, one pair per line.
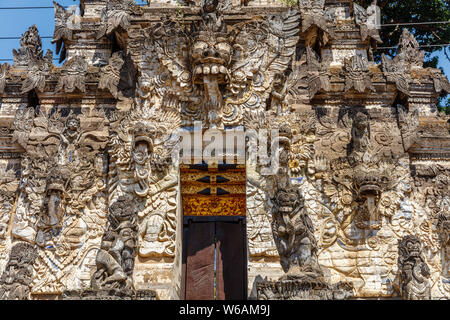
13, 23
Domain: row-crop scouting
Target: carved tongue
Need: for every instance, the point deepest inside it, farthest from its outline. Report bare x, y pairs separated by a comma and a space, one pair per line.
372, 209
213, 95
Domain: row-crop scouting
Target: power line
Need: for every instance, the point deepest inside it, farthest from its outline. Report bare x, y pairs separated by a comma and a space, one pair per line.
421, 46
18, 38
412, 23
23, 8
9, 59
381, 25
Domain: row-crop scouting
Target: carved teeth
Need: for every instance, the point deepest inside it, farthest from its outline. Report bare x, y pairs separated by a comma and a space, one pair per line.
206, 70
214, 69
223, 70
198, 70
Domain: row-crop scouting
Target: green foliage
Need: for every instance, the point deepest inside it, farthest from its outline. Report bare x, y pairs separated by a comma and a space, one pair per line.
408, 11
444, 105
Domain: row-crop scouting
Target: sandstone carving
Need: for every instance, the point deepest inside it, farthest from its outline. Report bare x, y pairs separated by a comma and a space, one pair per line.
415, 272
30, 48
357, 74
115, 259
37, 71
3, 74
312, 75
110, 74
339, 183
367, 21
73, 75
65, 24
16, 278
409, 56
117, 14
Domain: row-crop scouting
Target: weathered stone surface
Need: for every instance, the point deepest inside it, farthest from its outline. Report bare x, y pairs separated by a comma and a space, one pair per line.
90, 186
108, 295
303, 289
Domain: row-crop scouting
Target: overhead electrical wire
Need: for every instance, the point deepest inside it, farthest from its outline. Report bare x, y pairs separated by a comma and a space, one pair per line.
18, 38
380, 48
421, 46
412, 23
22, 8
9, 59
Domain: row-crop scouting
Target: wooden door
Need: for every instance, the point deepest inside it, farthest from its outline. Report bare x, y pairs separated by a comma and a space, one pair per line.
215, 258
200, 261
231, 263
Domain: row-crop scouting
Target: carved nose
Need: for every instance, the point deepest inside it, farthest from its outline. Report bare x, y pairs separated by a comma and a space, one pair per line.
210, 53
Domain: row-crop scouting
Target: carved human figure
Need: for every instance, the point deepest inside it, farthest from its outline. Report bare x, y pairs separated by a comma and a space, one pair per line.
142, 169
69, 137
414, 272
360, 142
278, 93
115, 259
16, 279
49, 224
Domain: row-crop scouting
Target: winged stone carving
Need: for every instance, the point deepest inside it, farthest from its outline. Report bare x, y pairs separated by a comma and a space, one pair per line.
73, 75
37, 72
357, 74
314, 18
110, 74
214, 71
367, 21
66, 21
117, 14
409, 56
312, 75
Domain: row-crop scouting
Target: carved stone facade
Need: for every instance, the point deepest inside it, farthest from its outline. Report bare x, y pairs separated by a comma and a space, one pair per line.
93, 192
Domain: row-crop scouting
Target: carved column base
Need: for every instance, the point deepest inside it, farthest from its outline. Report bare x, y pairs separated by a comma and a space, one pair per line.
303, 289
108, 295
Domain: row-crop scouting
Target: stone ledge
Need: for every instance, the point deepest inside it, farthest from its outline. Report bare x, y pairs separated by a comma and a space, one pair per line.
303, 289
108, 295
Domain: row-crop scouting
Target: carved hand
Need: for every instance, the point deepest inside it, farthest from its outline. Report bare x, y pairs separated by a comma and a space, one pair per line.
320, 163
